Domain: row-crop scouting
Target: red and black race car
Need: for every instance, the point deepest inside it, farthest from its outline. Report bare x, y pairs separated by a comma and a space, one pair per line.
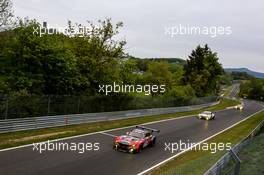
135, 140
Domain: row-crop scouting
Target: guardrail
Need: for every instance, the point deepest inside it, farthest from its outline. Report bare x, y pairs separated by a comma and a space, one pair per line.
223, 165
11, 125
16, 106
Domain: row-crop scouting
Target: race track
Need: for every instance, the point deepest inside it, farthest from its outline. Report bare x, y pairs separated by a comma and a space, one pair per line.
25, 161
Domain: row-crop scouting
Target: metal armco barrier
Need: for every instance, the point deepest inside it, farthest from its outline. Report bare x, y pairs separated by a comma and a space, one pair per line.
11, 125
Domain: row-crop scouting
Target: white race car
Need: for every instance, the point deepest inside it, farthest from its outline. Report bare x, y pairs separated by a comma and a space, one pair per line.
207, 115
240, 107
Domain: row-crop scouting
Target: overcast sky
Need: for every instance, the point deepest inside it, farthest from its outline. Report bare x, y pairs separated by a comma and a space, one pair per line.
145, 22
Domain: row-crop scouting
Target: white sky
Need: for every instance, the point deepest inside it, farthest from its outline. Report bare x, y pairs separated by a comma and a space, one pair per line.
144, 23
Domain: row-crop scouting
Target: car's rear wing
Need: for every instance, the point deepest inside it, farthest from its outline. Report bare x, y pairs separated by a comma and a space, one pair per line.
146, 128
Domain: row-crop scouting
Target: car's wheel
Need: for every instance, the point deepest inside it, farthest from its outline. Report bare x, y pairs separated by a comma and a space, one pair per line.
133, 152
153, 142
140, 149
115, 147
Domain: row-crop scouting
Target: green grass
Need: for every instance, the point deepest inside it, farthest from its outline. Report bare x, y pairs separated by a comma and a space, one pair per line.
252, 157
26, 137
227, 91
198, 162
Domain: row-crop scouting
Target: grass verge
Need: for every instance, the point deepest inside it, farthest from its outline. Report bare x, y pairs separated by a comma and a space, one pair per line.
26, 137
252, 157
198, 162
227, 91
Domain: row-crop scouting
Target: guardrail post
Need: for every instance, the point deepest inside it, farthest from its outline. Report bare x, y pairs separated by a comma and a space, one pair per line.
66, 121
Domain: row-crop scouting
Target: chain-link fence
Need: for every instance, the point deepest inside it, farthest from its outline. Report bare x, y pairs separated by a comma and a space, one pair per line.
34, 106
229, 164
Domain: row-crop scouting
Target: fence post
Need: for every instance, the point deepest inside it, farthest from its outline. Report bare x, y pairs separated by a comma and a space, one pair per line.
6, 111
237, 160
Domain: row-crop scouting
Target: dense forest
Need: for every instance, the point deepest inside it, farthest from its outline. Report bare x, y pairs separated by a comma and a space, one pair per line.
58, 64
43, 66
69, 65
252, 89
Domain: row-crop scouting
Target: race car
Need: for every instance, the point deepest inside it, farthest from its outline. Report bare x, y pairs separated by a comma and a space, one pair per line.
207, 115
240, 107
136, 140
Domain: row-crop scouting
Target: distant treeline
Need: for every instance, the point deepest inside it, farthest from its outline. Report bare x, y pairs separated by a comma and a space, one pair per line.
58, 64
253, 89
34, 105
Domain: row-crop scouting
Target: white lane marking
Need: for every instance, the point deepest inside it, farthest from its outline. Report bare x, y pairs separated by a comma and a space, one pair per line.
111, 135
98, 132
189, 148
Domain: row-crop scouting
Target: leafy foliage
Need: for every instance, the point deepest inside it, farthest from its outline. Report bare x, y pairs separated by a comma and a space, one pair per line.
203, 71
6, 12
253, 89
240, 76
58, 64
158, 73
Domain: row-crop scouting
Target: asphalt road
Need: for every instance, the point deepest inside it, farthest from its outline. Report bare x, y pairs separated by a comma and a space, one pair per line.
235, 90
24, 161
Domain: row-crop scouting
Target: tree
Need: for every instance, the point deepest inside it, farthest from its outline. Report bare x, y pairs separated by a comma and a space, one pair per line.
98, 55
128, 72
158, 73
177, 74
226, 79
58, 63
253, 89
203, 71
6, 12
38, 64
184, 92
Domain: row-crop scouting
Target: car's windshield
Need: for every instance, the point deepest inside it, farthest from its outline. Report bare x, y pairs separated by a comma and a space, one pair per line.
207, 112
136, 134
